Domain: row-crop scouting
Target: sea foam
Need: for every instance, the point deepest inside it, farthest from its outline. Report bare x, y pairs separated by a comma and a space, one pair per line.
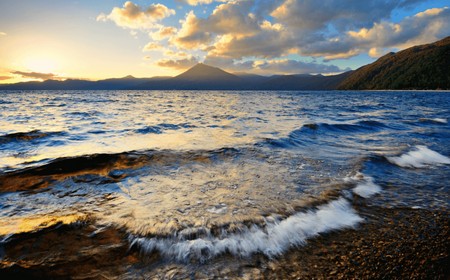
420, 157
367, 188
365, 185
272, 239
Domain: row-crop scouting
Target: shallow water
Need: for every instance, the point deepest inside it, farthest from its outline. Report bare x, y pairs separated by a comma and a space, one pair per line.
190, 176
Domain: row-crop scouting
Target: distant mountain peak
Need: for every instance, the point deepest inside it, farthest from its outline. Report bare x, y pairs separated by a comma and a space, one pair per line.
129, 77
203, 71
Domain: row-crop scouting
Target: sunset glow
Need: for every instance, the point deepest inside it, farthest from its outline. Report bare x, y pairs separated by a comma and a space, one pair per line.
41, 64
82, 39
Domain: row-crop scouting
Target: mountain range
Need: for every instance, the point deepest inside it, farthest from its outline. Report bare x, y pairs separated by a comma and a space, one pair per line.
419, 67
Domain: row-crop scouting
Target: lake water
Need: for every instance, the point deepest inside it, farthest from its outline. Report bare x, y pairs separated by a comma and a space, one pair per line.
186, 178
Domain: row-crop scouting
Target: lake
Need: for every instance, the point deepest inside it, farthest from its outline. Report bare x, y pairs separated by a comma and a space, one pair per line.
141, 184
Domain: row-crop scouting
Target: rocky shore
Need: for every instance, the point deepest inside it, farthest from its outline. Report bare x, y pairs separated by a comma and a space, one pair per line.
398, 244
392, 244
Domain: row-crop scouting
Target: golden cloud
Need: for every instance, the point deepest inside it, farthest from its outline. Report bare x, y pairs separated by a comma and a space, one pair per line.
178, 64
152, 46
37, 75
163, 32
244, 30
133, 16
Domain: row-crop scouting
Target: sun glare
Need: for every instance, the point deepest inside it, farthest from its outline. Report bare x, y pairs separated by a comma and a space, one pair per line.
41, 64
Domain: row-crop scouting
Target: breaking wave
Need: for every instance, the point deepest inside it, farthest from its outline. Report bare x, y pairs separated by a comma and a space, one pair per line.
420, 157
271, 240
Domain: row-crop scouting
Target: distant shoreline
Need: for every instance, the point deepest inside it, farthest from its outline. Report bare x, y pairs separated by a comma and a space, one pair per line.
239, 90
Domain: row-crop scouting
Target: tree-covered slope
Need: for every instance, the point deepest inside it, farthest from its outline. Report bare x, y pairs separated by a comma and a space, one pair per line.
419, 67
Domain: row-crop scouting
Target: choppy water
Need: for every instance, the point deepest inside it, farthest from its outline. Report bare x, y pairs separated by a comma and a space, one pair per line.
191, 176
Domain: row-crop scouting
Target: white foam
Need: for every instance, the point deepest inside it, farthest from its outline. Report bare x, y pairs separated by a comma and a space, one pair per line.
365, 185
419, 158
367, 188
437, 120
272, 240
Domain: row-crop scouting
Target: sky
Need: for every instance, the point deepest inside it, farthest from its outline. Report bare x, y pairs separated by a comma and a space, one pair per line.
85, 39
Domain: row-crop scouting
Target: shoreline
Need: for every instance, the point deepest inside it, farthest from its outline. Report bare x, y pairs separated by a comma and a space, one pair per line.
398, 244
394, 243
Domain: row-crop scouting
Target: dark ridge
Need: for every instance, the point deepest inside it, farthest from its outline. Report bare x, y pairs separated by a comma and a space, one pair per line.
127, 82
199, 77
424, 67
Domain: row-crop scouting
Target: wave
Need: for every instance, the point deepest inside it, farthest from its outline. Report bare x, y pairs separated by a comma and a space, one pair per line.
160, 128
420, 157
360, 126
272, 240
365, 185
27, 136
302, 136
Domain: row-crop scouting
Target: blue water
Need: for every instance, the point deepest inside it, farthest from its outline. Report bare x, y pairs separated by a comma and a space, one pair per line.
195, 175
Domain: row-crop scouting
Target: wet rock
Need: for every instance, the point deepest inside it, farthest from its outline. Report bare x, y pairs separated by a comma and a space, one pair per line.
117, 174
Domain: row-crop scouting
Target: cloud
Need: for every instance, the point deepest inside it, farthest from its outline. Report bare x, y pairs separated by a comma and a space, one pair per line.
152, 46
178, 64
191, 35
335, 14
298, 67
2, 34
163, 32
268, 43
278, 66
196, 2
239, 30
200, 2
133, 16
233, 18
241, 33
426, 26
172, 53
230, 64
36, 75
3, 78
381, 37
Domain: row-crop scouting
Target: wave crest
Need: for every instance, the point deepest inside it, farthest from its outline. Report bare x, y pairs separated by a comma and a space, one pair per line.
27, 136
272, 240
420, 157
